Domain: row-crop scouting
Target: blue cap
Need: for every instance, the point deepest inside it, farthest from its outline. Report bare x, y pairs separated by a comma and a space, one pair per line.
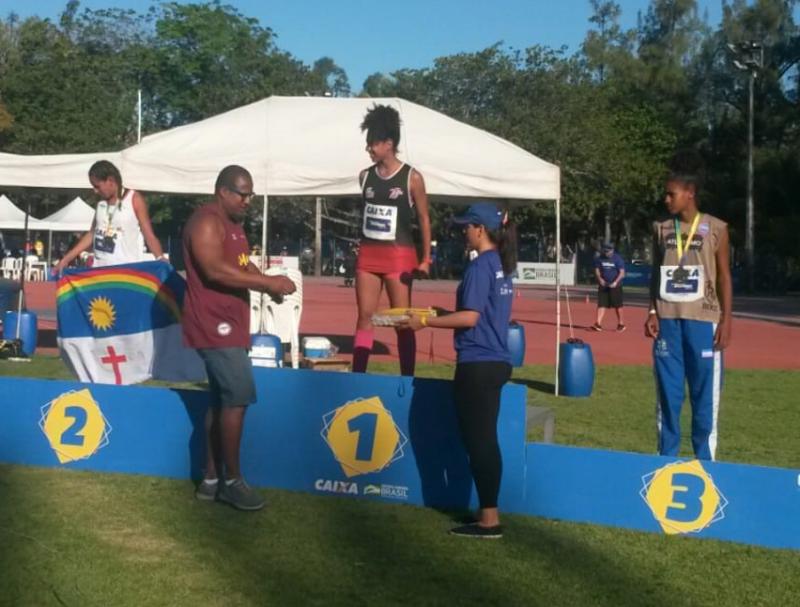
608, 246
482, 214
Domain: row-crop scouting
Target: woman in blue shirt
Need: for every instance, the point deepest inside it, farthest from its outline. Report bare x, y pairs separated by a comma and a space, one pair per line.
483, 364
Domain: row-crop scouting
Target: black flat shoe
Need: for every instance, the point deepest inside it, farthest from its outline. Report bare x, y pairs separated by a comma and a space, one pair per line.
477, 531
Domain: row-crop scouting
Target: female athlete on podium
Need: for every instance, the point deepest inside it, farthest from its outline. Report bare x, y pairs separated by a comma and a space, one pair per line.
393, 192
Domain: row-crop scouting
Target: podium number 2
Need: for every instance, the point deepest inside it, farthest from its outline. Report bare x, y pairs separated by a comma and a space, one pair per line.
71, 436
365, 425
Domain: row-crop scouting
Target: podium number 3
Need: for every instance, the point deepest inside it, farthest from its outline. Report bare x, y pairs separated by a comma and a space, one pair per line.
71, 436
365, 425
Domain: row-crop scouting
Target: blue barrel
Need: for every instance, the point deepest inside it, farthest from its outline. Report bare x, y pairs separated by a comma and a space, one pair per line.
576, 374
266, 350
27, 330
516, 344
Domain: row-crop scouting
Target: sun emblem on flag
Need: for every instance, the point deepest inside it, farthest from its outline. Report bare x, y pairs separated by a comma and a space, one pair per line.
102, 313
244, 260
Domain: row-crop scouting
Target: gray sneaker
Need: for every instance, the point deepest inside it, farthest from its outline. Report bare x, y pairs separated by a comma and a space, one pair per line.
239, 495
206, 491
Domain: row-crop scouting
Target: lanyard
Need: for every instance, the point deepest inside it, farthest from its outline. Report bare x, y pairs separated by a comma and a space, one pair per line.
679, 238
110, 215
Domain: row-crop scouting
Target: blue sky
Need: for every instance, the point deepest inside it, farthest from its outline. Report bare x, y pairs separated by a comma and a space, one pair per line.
366, 37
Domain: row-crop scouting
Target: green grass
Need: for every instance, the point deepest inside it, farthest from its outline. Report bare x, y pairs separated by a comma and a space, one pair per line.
78, 538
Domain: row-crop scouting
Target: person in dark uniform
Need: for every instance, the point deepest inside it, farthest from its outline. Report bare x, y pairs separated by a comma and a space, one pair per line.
392, 192
483, 362
216, 321
609, 270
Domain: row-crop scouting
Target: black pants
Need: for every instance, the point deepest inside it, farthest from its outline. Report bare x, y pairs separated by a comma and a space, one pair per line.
477, 395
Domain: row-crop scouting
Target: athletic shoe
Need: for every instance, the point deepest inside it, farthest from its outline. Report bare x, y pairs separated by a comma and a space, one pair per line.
206, 491
239, 495
596, 327
621, 328
477, 531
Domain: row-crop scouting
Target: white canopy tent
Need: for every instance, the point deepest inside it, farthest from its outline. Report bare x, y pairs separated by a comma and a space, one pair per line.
13, 218
312, 146
77, 216
305, 146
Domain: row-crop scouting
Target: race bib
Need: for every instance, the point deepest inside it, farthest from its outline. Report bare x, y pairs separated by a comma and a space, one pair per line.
380, 222
104, 243
682, 284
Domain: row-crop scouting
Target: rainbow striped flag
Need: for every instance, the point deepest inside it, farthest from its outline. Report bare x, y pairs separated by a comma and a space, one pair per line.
121, 324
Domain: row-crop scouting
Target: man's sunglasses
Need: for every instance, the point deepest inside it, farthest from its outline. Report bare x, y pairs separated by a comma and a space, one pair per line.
244, 195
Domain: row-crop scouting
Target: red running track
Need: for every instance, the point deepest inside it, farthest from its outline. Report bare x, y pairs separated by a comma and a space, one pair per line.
329, 309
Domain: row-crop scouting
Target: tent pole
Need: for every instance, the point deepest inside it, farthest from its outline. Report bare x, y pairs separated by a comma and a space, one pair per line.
318, 236
139, 116
264, 219
49, 251
264, 216
22, 303
558, 291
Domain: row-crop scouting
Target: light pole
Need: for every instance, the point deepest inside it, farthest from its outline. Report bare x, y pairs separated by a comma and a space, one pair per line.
749, 57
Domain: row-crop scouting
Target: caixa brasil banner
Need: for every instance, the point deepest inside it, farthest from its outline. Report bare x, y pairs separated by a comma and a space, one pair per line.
393, 439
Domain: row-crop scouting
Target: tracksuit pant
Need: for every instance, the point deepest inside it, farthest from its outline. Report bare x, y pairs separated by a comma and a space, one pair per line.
684, 353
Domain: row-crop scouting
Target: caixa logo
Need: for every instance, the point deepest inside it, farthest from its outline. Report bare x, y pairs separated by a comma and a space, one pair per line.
327, 486
683, 498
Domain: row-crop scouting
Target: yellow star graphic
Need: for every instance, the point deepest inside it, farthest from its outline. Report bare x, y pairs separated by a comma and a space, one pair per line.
102, 313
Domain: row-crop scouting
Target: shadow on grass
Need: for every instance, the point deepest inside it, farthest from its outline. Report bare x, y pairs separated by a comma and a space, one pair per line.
534, 384
587, 568
398, 560
28, 549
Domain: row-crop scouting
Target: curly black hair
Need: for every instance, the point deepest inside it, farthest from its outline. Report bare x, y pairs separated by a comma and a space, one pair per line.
382, 122
687, 167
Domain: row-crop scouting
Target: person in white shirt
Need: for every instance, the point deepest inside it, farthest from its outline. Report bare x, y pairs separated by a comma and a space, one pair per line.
121, 223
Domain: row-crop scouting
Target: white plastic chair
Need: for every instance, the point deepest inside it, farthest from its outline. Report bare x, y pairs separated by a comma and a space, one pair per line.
283, 319
256, 299
7, 267
33, 268
12, 267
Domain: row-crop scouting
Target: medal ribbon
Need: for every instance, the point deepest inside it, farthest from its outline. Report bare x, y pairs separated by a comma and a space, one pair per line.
110, 215
679, 238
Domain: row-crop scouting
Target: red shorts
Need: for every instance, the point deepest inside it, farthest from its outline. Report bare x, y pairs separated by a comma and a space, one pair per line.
388, 259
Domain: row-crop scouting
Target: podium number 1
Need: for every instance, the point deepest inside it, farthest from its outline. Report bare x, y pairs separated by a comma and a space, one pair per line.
365, 425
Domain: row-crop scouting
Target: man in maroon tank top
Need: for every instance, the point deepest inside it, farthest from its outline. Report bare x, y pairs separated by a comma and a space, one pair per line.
216, 319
